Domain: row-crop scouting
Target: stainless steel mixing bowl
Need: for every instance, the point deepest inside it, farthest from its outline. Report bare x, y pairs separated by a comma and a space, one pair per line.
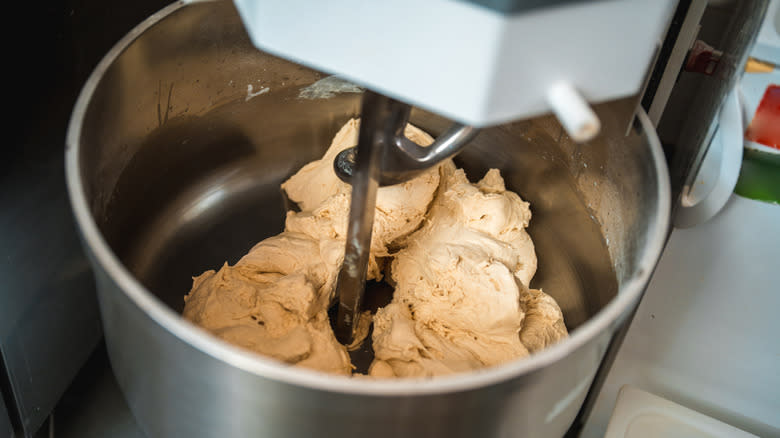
175, 152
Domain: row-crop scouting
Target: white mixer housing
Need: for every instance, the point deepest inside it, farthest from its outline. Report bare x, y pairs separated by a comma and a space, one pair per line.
466, 61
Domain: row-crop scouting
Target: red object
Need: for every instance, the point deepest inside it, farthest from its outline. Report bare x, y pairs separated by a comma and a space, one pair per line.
702, 58
765, 126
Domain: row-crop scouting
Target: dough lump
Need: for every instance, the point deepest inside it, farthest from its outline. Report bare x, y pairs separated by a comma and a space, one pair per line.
457, 254
324, 199
461, 299
274, 301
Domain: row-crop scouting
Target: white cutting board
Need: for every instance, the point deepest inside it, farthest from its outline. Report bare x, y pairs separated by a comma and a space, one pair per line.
639, 414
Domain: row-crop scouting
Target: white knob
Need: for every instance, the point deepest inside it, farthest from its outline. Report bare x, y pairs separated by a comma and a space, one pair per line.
573, 111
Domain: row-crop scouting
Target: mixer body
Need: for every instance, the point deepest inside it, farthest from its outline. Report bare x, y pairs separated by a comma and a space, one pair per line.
174, 160
479, 62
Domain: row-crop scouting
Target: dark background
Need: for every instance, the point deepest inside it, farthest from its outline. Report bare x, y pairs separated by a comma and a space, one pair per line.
48, 309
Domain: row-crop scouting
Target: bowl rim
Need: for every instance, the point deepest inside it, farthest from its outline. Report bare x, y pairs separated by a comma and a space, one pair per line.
607, 318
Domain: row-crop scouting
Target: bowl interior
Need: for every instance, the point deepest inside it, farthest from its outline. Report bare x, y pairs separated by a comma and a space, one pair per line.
191, 130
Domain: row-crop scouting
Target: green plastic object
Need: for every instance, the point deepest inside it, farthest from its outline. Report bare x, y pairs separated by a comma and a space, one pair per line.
759, 177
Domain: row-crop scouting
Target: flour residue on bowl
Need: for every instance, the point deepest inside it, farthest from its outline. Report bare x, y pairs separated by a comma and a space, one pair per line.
251, 93
328, 87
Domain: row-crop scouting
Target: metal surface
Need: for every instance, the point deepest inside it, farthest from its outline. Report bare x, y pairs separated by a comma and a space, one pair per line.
700, 121
680, 37
379, 120
383, 156
6, 429
174, 163
403, 159
519, 6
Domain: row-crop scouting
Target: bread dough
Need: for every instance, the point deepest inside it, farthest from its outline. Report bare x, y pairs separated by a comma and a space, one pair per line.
461, 265
274, 301
461, 299
325, 199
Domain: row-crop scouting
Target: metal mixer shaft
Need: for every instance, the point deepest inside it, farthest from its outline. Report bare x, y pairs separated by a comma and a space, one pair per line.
383, 156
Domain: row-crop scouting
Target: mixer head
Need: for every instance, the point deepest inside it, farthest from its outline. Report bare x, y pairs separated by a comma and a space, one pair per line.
477, 62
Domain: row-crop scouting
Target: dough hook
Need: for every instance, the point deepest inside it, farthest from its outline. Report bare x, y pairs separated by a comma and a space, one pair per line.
383, 156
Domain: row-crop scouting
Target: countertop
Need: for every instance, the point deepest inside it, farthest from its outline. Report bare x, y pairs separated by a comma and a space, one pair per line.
93, 406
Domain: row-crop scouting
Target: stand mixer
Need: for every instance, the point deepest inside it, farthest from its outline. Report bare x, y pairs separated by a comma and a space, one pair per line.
492, 62
207, 173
